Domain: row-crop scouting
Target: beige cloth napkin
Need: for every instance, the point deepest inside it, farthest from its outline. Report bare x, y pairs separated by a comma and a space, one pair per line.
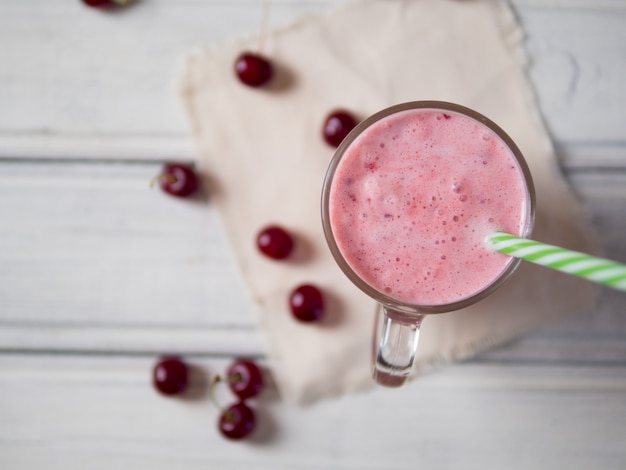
264, 160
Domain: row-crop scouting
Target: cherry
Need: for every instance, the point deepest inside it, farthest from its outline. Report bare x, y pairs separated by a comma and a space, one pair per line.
307, 303
237, 421
105, 3
337, 126
178, 180
98, 3
253, 69
170, 376
245, 379
275, 242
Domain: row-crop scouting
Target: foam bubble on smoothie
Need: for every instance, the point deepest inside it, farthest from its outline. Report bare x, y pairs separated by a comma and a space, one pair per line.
413, 198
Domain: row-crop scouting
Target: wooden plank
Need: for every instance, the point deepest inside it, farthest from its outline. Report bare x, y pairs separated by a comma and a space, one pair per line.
128, 108
592, 155
611, 5
93, 244
577, 74
100, 412
144, 339
603, 184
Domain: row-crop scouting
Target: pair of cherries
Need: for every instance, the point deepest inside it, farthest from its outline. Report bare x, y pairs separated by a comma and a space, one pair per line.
306, 301
170, 377
181, 180
255, 71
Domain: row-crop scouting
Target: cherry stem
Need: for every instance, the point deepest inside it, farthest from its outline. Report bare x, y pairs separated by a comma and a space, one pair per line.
167, 177
236, 377
217, 379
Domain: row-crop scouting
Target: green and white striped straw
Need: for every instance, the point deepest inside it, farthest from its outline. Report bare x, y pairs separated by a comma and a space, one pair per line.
603, 271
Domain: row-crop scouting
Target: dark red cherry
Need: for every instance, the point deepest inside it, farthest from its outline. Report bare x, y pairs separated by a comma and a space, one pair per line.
178, 180
105, 3
253, 69
237, 421
170, 376
245, 379
337, 126
307, 303
98, 3
275, 242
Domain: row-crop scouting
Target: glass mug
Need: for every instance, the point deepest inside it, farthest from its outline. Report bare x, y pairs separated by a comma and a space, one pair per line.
372, 177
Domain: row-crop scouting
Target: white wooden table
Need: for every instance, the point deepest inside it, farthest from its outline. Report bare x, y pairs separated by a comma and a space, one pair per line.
98, 275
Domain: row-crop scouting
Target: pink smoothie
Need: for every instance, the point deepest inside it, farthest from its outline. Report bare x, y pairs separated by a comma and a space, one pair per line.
414, 197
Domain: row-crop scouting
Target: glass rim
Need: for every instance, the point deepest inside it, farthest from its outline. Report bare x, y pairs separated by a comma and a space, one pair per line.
390, 302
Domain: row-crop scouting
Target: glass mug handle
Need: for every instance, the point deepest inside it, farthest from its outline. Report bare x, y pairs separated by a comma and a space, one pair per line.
395, 344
